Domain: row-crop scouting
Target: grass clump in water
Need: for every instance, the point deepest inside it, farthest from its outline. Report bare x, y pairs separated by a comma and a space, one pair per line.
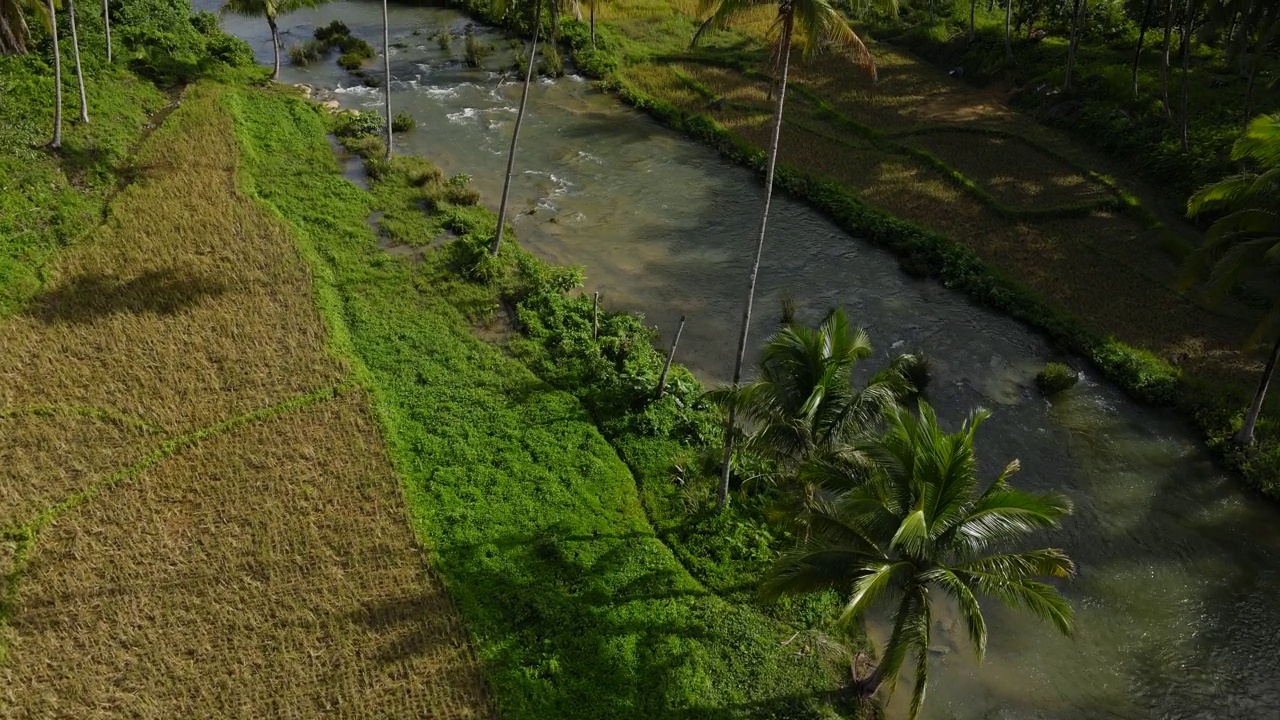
476, 51
403, 122
305, 53
1055, 378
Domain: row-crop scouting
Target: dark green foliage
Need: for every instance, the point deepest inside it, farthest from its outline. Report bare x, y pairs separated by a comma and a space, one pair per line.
164, 42
1055, 377
552, 64
364, 122
578, 610
403, 122
458, 191
445, 41
332, 33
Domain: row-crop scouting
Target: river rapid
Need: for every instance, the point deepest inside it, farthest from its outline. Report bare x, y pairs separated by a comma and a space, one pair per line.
1175, 600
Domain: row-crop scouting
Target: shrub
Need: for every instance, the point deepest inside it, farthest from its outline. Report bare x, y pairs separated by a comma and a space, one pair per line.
403, 122
417, 171
366, 146
307, 52
333, 32
1055, 378
915, 368
476, 51
347, 61
352, 45
458, 191
365, 122
230, 49
552, 63
445, 40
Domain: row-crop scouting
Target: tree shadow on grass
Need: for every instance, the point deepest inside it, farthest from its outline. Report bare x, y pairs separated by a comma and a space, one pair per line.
93, 295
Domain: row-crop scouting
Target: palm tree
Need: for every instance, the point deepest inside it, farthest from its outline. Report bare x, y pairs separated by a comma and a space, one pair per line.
917, 524
75, 51
14, 32
1073, 43
515, 134
1246, 236
269, 9
106, 25
57, 78
821, 24
1142, 35
803, 401
386, 57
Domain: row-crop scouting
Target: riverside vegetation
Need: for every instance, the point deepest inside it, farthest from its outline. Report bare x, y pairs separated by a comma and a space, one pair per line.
1017, 216
540, 479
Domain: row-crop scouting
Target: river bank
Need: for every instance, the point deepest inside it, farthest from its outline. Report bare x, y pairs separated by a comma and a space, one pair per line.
964, 190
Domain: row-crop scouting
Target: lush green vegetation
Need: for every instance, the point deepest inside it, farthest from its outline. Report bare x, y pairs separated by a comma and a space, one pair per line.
577, 607
49, 199
1056, 377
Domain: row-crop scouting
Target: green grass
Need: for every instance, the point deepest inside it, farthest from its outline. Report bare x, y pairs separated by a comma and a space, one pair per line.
577, 608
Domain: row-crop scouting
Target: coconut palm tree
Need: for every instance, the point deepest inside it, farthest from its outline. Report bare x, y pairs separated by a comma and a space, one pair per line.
1247, 235
106, 26
515, 133
57, 78
386, 81
269, 9
803, 400
917, 527
75, 52
14, 32
821, 25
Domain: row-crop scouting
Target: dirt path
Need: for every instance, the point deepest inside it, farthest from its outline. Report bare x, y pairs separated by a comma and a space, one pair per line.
199, 519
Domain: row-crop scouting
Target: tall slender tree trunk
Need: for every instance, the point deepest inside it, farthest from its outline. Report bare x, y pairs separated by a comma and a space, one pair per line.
931, 3
386, 67
106, 25
275, 47
593, 22
57, 79
515, 134
788, 24
1186, 69
1074, 42
1164, 60
1142, 35
973, 11
1008, 28
577, 10
1245, 436
75, 53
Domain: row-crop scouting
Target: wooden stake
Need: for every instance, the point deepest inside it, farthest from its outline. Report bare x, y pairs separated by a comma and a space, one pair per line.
662, 381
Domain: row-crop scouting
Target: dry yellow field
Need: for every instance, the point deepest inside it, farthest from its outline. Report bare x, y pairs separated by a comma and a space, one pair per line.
198, 516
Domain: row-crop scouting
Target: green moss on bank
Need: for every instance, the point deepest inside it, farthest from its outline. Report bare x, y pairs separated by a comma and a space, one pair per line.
577, 608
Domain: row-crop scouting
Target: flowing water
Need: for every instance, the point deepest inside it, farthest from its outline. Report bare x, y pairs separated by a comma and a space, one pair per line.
1176, 597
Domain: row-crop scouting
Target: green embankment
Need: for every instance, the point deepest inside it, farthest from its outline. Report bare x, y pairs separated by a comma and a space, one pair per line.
577, 608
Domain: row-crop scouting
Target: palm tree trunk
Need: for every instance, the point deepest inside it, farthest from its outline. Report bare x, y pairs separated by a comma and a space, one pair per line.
75, 53
577, 10
106, 24
515, 134
1245, 436
1075, 40
1186, 65
666, 368
1164, 59
973, 10
593, 22
788, 23
57, 79
386, 80
1008, 37
1142, 35
931, 2
275, 47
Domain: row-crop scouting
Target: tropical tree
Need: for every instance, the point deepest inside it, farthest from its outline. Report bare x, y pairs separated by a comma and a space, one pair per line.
803, 400
14, 32
386, 82
56, 142
1074, 42
1245, 236
515, 133
916, 526
106, 26
821, 25
270, 9
75, 51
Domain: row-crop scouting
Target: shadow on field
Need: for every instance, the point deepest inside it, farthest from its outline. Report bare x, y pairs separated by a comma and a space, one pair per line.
93, 295
606, 620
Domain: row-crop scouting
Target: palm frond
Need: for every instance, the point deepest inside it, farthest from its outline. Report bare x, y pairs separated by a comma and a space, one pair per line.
1040, 599
872, 583
970, 611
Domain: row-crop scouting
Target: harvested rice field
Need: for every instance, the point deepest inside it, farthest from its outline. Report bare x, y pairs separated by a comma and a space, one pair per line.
200, 519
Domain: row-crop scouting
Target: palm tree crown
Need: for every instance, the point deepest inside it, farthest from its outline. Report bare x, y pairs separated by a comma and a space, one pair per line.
917, 522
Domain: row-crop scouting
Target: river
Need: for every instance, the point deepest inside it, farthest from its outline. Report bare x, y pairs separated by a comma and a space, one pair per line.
1176, 597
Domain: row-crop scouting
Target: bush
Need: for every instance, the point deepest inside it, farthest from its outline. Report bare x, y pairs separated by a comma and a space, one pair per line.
307, 52
476, 51
354, 52
333, 32
1055, 378
445, 40
552, 63
403, 122
231, 50
365, 122
351, 61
